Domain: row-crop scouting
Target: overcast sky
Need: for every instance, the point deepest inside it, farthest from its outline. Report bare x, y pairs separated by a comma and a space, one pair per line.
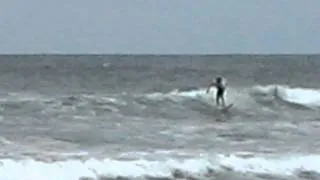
160, 26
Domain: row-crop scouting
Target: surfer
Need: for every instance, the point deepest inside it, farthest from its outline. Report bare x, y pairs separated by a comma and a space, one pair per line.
220, 84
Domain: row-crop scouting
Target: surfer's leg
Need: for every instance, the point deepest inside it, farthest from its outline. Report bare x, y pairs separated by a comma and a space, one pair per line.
217, 99
222, 99
223, 102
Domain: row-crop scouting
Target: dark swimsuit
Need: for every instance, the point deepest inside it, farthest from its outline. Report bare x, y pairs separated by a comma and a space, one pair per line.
220, 90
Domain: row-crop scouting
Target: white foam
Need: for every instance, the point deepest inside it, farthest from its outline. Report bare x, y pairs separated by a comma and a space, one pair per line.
104, 98
5, 141
180, 95
302, 96
18, 97
190, 94
75, 169
281, 166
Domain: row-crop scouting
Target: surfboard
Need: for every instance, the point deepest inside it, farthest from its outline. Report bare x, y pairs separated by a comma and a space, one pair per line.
225, 109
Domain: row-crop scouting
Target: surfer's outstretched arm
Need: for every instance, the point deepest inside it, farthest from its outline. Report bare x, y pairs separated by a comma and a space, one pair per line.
210, 85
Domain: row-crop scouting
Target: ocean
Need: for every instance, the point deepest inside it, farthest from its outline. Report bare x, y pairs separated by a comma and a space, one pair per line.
103, 117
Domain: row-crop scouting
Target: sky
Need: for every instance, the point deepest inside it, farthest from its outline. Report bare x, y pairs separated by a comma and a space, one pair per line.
160, 26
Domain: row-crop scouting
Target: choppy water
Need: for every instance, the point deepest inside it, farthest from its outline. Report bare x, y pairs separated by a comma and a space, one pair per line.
149, 117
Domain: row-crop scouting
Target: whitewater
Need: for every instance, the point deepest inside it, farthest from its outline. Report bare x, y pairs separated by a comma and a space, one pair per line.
88, 117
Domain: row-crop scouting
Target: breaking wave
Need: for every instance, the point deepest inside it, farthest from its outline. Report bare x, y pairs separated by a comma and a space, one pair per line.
305, 97
174, 104
196, 168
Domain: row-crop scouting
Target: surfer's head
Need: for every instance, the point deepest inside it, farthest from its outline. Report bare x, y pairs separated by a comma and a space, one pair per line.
218, 79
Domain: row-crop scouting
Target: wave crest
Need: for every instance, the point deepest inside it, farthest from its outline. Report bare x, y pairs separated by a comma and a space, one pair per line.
294, 95
169, 169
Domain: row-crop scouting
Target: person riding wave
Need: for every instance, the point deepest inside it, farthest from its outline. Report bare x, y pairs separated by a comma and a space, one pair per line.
221, 85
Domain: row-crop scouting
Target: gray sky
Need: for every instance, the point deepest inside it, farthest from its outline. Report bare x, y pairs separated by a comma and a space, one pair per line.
160, 26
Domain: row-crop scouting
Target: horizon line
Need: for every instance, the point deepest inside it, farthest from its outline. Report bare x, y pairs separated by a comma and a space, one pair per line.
156, 54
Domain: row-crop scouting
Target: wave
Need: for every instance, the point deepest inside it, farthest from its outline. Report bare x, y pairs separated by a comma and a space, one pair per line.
203, 103
292, 95
309, 98
47, 104
179, 94
196, 168
178, 103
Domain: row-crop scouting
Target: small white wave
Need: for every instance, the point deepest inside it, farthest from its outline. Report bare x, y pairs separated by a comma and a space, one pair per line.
5, 141
31, 169
106, 65
297, 95
24, 96
104, 99
179, 95
281, 166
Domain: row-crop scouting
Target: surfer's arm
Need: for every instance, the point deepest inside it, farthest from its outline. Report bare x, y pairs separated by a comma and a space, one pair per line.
210, 85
